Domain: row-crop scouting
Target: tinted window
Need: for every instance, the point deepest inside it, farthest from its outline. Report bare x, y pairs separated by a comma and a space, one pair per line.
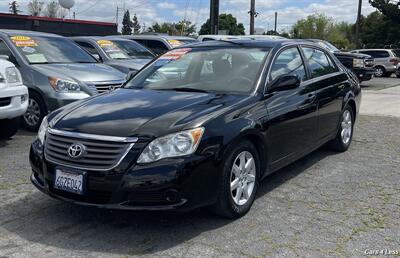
320, 64
376, 54
133, 49
219, 69
44, 50
88, 47
157, 46
289, 62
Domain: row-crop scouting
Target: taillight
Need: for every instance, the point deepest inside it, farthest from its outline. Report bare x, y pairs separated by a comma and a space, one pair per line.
394, 61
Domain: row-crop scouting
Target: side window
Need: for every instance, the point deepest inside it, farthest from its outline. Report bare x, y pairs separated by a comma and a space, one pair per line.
157, 46
89, 48
289, 62
319, 63
5, 51
382, 54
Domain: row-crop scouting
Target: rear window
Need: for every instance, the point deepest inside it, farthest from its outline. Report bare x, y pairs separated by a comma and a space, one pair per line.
396, 52
376, 53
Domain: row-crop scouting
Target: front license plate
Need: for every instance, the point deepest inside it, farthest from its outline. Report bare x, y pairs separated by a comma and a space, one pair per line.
70, 181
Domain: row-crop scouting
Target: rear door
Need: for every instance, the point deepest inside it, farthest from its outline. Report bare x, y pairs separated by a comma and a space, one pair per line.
330, 84
292, 113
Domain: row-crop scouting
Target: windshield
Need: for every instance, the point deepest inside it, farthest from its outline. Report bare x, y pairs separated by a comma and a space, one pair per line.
47, 50
124, 49
203, 69
328, 46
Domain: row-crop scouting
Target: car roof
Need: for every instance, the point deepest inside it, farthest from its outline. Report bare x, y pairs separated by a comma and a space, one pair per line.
260, 43
373, 49
98, 38
150, 36
28, 33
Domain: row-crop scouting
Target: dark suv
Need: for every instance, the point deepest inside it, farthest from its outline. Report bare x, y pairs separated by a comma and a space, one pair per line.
207, 134
360, 63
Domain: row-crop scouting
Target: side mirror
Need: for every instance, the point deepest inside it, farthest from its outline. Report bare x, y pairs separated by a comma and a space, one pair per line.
285, 82
130, 75
4, 57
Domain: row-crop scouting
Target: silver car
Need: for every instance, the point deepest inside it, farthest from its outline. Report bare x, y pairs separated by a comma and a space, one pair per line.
386, 60
56, 71
125, 55
160, 43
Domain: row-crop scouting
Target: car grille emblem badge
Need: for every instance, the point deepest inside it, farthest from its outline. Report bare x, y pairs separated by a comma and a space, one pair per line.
76, 150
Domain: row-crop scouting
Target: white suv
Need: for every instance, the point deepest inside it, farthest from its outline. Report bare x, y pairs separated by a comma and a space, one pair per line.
13, 99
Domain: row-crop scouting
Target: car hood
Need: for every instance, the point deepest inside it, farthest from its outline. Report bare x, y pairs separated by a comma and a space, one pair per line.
135, 64
143, 113
353, 55
88, 72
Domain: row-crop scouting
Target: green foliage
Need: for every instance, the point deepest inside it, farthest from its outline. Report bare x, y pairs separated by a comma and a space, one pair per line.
226, 22
127, 24
13, 7
388, 8
319, 26
180, 28
135, 25
377, 30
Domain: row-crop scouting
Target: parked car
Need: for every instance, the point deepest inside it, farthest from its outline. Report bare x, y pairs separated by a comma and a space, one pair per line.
159, 43
240, 111
125, 55
13, 99
209, 37
55, 70
386, 60
361, 64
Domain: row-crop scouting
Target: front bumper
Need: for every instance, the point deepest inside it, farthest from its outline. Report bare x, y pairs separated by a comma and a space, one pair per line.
364, 74
172, 184
18, 97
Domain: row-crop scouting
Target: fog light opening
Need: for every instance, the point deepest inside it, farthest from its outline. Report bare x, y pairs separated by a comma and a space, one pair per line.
172, 195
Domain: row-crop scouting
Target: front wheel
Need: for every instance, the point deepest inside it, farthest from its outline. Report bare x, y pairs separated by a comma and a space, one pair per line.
8, 127
379, 71
239, 181
35, 113
345, 134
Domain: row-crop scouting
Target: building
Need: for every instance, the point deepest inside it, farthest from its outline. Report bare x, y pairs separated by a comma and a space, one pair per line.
65, 27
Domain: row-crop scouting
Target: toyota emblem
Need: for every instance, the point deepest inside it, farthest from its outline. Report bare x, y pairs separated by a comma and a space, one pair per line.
76, 150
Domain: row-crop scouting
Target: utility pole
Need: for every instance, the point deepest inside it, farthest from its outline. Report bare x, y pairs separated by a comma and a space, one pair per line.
117, 17
214, 15
358, 23
253, 14
276, 22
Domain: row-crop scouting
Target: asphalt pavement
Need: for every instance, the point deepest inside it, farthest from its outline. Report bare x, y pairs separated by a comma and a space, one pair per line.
325, 205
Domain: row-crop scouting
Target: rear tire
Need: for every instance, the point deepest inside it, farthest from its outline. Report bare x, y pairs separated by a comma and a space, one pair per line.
35, 113
380, 71
345, 134
239, 181
9, 127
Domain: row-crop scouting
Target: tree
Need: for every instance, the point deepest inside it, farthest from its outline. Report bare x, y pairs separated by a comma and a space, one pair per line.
52, 9
227, 22
127, 24
13, 7
186, 27
377, 31
388, 8
135, 25
35, 7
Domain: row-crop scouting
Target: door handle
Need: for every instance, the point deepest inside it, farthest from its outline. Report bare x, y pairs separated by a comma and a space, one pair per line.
311, 95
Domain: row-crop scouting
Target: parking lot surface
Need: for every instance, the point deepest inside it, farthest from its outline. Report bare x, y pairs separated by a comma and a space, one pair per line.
324, 205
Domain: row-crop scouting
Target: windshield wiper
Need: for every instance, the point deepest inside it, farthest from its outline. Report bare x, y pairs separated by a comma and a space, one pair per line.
189, 89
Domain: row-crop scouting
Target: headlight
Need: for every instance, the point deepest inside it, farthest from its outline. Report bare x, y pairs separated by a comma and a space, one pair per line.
61, 85
12, 75
42, 130
172, 145
358, 63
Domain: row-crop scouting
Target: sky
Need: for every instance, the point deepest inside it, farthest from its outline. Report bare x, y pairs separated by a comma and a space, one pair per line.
197, 11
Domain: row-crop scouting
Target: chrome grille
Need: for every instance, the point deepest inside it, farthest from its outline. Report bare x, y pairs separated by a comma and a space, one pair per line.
369, 62
106, 87
101, 153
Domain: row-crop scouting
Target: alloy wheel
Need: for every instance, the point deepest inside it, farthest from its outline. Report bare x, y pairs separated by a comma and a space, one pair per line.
347, 127
32, 114
379, 72
243, 177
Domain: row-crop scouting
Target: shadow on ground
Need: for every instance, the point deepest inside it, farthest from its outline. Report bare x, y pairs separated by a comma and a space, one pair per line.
41, 220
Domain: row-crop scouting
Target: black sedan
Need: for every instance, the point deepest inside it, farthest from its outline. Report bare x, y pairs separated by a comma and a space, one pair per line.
200, 126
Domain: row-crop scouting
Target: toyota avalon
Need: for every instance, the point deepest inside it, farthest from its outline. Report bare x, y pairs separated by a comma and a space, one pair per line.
232, 113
